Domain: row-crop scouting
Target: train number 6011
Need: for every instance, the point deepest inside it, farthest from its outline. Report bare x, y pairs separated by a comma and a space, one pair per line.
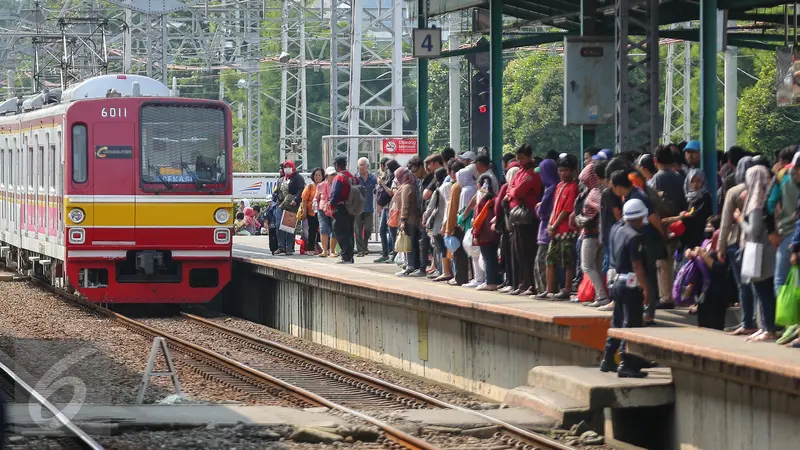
114, 112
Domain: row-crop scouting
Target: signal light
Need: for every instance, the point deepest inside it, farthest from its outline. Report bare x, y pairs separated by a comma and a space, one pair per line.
482, 109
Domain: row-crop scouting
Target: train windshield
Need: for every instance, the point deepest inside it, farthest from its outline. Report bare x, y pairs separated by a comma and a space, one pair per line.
183, 144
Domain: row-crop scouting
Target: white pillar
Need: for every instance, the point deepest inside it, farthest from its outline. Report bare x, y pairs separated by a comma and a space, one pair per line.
397, 67
354, 116
455, 95
731, 103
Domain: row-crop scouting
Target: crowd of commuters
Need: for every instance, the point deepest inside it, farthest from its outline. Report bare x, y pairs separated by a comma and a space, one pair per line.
629, 233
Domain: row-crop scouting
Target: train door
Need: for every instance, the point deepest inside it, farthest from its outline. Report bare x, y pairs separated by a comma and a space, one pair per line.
113, 172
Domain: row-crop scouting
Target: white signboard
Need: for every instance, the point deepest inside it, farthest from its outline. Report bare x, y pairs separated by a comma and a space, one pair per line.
257, 185
427, 42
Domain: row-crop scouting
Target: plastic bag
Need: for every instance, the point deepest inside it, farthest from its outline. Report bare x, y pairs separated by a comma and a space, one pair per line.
400, 259
788, 307
403, 243
472, 250
586, 291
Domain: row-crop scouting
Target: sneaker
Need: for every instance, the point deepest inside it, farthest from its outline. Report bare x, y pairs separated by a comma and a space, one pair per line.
487, 287
560, 296
542, 296
506, 289
472, 284
608, 307
341, 261
403, 273
417, 274
665, 305
434, 275
382, 259
597, 304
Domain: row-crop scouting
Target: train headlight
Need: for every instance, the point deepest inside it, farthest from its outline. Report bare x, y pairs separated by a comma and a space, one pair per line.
222, 216
76, 215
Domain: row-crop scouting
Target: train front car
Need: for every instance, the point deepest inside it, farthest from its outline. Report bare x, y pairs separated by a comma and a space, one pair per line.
148, 203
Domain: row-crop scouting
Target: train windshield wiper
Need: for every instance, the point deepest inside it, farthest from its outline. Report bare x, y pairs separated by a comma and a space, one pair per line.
160, 177
196, 180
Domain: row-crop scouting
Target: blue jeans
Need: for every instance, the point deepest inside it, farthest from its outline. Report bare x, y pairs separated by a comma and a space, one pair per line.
766, 303
492, 266
286, 241
746, 301
387, 244
605, 257
782, 263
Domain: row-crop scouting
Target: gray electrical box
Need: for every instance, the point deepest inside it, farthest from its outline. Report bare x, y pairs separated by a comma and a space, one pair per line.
589, 80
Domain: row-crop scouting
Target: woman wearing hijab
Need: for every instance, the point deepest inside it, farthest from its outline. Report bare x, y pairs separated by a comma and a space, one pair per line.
409, 219
469, 189
730, 241
485, 236
250, 223
503, 227
587, 218
751, 220
548, 170
432, 219
291, 186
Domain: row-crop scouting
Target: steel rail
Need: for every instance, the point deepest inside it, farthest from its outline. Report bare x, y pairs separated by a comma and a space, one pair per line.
516, 434
83, 440
390, 433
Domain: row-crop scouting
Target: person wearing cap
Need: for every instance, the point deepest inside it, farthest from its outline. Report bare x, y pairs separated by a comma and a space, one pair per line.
692, 154
626, 279
467, 157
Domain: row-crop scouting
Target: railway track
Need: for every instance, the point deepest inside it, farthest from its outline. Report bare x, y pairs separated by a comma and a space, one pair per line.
75, 438
305, 380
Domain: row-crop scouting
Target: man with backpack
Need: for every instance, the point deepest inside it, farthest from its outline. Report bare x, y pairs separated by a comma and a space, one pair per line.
345, 204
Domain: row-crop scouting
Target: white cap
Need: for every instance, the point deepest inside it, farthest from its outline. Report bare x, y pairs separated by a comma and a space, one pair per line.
634, 209
330, 171
469, 155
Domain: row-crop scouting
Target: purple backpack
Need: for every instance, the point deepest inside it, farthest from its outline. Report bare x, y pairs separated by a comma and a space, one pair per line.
692, 280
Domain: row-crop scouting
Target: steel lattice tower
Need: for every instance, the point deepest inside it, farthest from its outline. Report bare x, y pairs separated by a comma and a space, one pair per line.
678, 89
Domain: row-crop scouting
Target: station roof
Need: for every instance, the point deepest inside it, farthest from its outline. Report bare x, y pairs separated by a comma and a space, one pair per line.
565, 14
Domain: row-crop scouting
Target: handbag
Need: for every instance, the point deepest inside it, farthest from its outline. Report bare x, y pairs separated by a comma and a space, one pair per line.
288, 222
394, 218
751, 260
403, 243
520, 215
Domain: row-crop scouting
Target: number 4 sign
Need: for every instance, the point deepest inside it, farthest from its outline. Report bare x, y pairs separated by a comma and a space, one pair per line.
427, 42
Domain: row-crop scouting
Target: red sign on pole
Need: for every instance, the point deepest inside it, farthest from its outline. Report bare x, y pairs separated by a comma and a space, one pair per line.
400, 146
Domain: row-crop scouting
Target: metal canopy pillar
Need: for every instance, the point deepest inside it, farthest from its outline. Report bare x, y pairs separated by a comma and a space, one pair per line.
708, 94
588, 28
496, 77
636, 117
422, 86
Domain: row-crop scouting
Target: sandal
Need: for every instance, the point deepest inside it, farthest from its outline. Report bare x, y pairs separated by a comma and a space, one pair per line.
742, 331
767, 336
755, 335
323, 255
442, 278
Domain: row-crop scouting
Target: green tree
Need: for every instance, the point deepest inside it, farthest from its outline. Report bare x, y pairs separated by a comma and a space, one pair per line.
763, 126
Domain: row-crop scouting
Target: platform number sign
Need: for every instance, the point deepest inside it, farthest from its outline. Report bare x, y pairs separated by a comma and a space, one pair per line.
427, 42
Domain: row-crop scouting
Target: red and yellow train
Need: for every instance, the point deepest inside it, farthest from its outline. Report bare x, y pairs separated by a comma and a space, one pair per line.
119, 190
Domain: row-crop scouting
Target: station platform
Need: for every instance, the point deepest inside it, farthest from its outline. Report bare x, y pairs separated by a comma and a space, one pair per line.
586, 326
750, 390
483, 342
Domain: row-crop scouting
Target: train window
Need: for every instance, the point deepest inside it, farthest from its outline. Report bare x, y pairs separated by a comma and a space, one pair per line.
30, 167
80, 154
52, 172
41, 167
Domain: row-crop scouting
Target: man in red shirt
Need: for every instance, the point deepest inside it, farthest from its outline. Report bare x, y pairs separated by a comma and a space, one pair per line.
524, 192
342, 220
561, 253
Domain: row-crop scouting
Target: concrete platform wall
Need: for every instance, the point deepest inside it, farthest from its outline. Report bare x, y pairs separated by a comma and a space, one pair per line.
713, 413
474, 350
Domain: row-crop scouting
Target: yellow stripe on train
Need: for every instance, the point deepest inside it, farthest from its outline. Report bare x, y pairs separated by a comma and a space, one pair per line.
146, 214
